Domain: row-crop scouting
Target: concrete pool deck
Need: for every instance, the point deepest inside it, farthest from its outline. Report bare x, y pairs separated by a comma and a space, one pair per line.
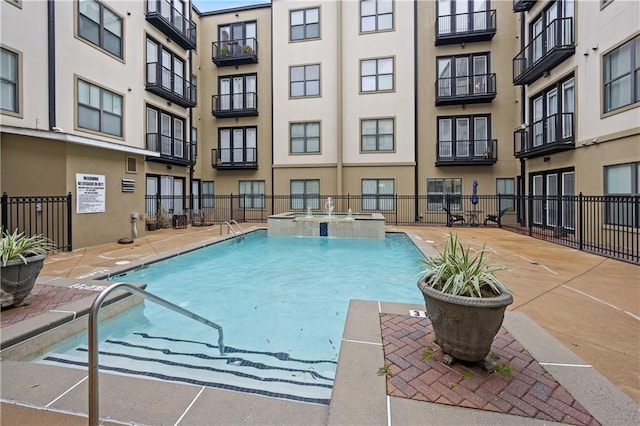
571, 309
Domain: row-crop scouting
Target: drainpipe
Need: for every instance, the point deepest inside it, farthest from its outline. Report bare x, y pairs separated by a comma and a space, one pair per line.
523, 120
272, 142
51, 61
339, 102
416, 178
192, 159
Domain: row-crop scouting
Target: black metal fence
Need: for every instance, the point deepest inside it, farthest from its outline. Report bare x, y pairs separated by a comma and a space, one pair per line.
46, 215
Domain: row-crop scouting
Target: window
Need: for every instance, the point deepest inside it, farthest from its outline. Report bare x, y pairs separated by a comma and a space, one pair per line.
304, 81
166, 69
456, 16
165, 133
9, 95
464, 75
208, 194
376, 75
377, 135
237, 93
305, 137
99, 109
553, 198
100, 26
464, 136
305, 24
444, 193
622, 181
622, 76
376, 15
377, 194
194, 144
238, 38
238, 145
305, 194
166, 192
505, 188
251, 194
552, 114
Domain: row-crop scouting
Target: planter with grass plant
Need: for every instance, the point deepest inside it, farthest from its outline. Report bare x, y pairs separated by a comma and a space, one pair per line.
21, 259
465, 302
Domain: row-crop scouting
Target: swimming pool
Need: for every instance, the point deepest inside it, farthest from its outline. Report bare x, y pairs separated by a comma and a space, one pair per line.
282, 302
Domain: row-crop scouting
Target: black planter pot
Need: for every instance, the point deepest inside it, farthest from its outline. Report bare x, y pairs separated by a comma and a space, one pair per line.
18, 279
464, 326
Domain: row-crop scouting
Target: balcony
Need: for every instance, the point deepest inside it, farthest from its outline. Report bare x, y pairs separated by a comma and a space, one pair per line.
235, 105
234, 158
523, 5
172, 22
549, 48
172, 151
479, 152
466, 90
235, 52
173, 87
547, 136
466, 27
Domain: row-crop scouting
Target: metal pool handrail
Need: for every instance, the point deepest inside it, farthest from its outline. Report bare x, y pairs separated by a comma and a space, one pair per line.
94, 402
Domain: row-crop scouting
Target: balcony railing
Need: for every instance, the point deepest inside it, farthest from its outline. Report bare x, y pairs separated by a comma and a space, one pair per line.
466, 27
466, 90
235, 52
235, 105
523, 5
171, 150
479, 152
234, 158
173, 87
554, 133
549, 48
172, 22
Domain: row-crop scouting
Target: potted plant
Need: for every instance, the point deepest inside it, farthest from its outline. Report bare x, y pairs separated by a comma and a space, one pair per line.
465, 302
22, 259
247, 49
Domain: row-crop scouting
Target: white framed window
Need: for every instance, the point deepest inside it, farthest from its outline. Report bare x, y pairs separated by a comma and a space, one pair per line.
622, 181
465, 136
376, 15
304, 24
305, 193
99, 109
101, 26
251, 194
304, 80
622, 75
377, 134
304, 137
238, 146
376, 75
9, 81
444, 192
378, 194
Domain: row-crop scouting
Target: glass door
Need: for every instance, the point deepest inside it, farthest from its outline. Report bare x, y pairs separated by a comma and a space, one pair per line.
552, 30
552, 116
238, 145
462, 137
444, 77
552, 200
480, 15
567, 109
238, 93
445, 149
462, 16
480, 71
538, 206
462, 76
538, 123
568, 201
224, 101
536, 37
480, 137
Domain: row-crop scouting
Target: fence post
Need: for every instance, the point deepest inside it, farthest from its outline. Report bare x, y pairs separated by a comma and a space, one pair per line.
499, 210
395, 207
69, 222
5, 211
231, 206
530, 215
580, 220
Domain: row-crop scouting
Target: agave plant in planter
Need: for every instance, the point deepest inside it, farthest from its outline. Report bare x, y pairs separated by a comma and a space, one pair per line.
21, 259
465, 302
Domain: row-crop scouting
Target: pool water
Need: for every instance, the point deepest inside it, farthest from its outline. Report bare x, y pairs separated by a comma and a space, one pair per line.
282, 302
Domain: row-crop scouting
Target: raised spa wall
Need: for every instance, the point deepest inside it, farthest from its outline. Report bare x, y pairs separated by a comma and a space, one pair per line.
358, 225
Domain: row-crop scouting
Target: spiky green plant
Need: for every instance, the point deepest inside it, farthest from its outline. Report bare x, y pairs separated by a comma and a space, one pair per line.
456, 271
18, 246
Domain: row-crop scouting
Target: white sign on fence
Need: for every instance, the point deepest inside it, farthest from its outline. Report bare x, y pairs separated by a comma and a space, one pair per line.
90, 193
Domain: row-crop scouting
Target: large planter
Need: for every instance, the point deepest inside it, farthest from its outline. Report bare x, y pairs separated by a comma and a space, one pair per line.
464, 326
18, 279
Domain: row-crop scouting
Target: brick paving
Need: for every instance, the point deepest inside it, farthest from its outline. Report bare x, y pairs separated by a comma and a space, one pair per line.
43, 298
528, 390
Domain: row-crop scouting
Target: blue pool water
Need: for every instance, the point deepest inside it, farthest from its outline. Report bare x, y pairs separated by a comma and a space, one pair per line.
282, 302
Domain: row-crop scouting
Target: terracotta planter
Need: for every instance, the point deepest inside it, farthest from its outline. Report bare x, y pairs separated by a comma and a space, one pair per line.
18, 279
464, 326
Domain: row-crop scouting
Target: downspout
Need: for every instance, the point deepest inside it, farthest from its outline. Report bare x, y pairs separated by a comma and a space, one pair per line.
51, 61
272, 141
192, 159
523, 120
416, 177
339, 103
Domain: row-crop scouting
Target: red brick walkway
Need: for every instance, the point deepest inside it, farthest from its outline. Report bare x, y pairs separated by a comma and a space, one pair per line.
527, 391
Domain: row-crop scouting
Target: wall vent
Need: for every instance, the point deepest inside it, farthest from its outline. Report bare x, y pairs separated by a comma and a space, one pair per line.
128, 185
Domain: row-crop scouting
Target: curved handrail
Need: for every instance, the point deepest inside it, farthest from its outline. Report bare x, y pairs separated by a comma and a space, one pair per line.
94, 405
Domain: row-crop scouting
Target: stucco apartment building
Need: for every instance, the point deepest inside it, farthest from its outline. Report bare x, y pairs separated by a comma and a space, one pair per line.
375, 97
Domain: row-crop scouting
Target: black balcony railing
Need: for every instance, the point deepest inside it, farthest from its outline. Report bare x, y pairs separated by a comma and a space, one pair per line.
554, 133
466, 90
235, 52
234, 158
171, 150
546, 50
479, 152
173, 87
235, 105
523, 5
466, 27
172, 22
